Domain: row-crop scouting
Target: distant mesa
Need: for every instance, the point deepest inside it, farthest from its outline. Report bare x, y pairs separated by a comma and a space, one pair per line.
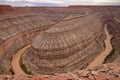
6, 7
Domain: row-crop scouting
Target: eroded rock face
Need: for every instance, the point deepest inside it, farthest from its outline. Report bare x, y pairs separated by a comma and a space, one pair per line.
104, 72
66, 46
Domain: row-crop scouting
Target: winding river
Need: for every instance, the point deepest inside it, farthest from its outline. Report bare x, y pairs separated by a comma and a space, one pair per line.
15, 61
97, 61
100, 59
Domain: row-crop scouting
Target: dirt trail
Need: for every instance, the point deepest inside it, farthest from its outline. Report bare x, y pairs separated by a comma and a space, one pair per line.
15, 61
100, 59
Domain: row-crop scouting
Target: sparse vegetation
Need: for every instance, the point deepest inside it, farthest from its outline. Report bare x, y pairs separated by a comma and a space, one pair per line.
11, 58
11, 71
111, 53
24, 68
104, 45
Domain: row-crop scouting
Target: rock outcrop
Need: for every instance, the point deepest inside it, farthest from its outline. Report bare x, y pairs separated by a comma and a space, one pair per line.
104, 72
67, 46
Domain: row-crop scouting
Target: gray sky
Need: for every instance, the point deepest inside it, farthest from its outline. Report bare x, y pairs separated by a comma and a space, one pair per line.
59, 2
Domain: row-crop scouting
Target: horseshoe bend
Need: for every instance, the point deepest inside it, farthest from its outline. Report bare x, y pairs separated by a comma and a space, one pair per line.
59, 43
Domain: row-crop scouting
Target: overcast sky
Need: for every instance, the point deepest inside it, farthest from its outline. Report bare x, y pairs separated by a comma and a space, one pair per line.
59, 2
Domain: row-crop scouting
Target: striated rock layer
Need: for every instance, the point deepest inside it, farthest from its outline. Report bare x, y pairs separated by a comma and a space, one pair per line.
67, 46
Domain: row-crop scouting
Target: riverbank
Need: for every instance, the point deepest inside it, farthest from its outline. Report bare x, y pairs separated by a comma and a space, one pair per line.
100, 59
15, 61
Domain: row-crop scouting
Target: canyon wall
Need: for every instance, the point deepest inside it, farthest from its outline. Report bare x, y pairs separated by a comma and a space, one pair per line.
114, 28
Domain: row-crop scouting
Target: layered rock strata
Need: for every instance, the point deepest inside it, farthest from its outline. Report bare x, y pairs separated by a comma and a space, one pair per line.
67, 46
5, 8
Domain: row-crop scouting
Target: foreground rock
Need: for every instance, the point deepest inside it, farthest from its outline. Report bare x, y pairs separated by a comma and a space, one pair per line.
104, 72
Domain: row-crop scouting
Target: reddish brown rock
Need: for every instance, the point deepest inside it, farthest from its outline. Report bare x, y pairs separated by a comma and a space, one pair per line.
94, 74
18, 26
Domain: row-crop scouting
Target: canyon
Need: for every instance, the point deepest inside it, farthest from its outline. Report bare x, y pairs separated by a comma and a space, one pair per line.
50, 41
